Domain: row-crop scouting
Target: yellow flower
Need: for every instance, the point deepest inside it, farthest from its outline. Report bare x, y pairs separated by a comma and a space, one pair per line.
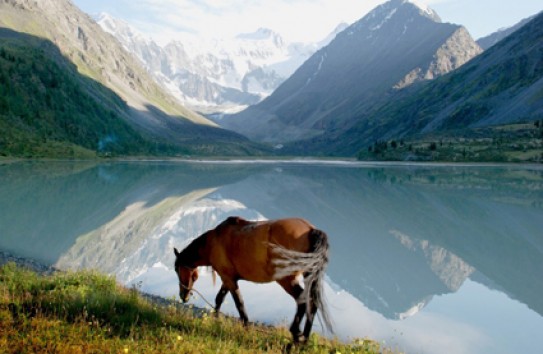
126, 350
178, 337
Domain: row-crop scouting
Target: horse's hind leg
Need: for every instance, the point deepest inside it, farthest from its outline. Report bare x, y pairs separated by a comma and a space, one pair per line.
309, 319
293, 287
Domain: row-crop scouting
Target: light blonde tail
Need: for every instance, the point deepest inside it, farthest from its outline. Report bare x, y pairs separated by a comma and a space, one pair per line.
313, 265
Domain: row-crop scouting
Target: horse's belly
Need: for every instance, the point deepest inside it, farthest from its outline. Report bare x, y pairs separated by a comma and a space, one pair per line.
252, 261
255, 271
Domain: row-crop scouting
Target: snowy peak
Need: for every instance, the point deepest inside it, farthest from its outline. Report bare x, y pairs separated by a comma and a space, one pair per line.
113, 25
425, 10
408, 9
120, 29
215, 75
392, 47
263, 34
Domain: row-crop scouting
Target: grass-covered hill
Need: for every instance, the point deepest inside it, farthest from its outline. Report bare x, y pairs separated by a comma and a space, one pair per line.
48, 109
90, 313
74, 90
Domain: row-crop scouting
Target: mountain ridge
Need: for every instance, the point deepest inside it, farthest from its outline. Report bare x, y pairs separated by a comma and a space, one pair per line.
155, 114
218, 75
493, 38
503, 85
396, 44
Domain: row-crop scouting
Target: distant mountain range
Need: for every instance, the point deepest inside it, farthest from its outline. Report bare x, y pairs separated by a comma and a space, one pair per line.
397, 74
217, 75
69, 88
503, 85
57, 34
393, 47
493, 38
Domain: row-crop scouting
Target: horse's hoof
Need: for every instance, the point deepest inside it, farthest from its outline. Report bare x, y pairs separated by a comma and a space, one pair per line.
299, 339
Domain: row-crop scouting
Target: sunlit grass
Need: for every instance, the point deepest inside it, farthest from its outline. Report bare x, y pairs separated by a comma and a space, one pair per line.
87, 312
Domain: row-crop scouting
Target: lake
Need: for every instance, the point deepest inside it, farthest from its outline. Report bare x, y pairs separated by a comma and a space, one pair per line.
424, 258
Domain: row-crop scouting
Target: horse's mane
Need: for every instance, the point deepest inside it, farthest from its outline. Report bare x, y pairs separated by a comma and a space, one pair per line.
191, 254
231, 221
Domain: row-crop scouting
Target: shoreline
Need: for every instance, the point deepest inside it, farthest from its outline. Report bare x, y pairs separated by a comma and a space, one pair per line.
27, 263
46, 270
331, 162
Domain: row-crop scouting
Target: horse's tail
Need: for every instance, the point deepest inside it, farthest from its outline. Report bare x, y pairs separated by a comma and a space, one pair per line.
313, 264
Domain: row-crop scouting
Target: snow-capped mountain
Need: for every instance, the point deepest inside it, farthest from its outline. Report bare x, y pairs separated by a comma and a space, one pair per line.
220, 74
394, 46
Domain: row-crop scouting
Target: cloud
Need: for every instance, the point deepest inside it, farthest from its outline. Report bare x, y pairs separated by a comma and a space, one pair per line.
294, 19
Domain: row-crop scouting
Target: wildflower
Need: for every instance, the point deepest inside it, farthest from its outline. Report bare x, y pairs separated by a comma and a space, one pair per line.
125, 349
178, 337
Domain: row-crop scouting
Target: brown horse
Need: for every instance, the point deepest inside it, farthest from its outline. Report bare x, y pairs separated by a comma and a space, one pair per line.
264, 251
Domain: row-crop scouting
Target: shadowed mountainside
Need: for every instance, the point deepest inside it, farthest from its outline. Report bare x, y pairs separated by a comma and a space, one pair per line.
114, 84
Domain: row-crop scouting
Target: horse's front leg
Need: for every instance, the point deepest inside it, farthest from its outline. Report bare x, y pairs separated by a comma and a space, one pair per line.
233, 287
240, 305
220, 298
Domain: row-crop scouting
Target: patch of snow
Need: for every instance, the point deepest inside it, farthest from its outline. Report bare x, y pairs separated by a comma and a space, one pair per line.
221, 61
385, 20
425, 8
412, 311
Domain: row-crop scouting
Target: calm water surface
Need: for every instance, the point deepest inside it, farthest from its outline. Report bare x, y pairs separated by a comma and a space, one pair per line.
427, 259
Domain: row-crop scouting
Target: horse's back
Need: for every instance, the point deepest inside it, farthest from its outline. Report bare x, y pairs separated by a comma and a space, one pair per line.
247, 244
291, 233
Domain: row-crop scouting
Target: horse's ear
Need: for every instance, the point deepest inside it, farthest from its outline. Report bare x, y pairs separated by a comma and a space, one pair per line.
176, 252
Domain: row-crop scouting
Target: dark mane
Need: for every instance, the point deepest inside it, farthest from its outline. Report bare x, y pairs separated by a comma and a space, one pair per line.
191, 254
231, 221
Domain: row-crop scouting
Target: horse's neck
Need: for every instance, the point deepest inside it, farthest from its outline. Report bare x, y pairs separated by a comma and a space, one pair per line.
202, 249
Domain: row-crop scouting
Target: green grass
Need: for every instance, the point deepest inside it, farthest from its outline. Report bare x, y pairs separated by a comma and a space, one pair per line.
48, 110
86, 312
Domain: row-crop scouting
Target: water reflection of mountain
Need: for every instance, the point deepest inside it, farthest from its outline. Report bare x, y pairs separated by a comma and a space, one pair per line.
486, 219
46, 206
399, 236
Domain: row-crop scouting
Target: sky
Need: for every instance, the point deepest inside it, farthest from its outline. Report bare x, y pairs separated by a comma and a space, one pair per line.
295, 20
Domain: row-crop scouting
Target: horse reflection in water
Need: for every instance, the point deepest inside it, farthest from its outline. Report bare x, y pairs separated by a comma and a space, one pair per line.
287, 251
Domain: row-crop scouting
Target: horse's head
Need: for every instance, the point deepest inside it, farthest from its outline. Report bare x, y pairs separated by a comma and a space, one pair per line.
187, 276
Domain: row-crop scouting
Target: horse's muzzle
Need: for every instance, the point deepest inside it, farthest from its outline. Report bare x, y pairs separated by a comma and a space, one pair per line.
184, 296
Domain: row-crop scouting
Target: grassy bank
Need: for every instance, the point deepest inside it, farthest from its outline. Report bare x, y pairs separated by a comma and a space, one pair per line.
87, 312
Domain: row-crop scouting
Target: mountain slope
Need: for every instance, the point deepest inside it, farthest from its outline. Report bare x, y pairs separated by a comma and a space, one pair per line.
503, 85
394, 46
493, 38
98, 56
48, 109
